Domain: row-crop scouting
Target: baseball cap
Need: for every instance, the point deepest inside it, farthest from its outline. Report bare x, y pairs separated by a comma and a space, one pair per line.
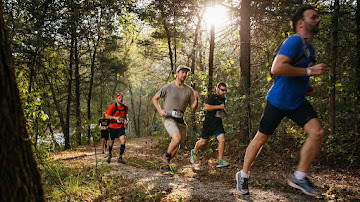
119, 95
182, 67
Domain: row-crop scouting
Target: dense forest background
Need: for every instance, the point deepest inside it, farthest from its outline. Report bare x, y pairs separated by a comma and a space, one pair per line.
71, 58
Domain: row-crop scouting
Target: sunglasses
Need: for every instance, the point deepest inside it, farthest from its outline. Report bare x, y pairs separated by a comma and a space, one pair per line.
224, 90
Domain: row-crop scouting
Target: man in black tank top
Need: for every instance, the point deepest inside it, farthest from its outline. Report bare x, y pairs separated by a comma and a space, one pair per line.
104, 131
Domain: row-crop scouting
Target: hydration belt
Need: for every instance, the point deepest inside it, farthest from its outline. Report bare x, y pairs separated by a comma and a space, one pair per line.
177, 115
121, 120
103, 127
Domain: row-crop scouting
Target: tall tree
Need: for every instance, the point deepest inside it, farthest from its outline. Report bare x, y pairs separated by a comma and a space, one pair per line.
133, 109
211, 58
245, 124
192, 67
91, 83
357, 69
334, 39
77, 93
69, 93
20, 178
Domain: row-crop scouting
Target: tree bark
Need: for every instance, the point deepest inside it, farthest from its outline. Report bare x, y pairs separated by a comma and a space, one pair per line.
334, 36
69, 94
192, 67
211, 59
168, 35
132, 101
138, 133
245, 124
20, 178
57, 106
77, 94
92, 72
357, 69
175, 33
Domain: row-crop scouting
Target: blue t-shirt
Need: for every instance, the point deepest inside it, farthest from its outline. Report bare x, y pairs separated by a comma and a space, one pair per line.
288, 92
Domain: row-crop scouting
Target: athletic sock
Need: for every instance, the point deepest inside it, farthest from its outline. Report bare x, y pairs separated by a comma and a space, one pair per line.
122, 150
110, 150
168, 157
243, 174
299, 175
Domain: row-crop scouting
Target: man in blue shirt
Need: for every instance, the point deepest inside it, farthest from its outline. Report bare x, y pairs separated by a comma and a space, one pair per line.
287, 98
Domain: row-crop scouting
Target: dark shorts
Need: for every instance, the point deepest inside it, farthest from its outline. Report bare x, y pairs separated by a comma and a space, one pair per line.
116, 133
104, 134
208, 131
272, 116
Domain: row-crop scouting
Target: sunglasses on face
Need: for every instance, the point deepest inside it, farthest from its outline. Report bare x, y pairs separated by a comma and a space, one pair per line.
224, 90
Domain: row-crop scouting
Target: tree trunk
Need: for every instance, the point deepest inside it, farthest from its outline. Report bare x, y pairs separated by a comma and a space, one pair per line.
139, 113
168, 35
36, 130
132, 101
92, 72
57, 106
334, 36
69, 94
245, 124
193, 59
211, 59
357, 69
169, 46
52, 135
77, 94
20, 178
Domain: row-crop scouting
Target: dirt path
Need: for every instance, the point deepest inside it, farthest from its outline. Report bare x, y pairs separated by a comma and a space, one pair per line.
190, 182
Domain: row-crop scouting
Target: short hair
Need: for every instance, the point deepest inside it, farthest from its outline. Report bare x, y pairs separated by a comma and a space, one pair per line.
299, 15
221, 84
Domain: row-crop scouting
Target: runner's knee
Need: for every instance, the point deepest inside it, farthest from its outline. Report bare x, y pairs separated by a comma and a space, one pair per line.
221, 139
317, 134
260, 139
176, 137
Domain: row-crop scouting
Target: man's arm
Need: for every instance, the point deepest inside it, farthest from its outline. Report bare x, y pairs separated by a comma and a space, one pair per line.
107, 116
155, 101
282, 67
195, 104
208, 107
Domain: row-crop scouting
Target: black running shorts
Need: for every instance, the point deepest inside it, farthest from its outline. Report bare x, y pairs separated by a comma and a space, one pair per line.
272, 116
116, 133
209, 130
104, 134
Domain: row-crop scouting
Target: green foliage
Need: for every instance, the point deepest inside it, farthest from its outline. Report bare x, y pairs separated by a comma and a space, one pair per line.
132, 52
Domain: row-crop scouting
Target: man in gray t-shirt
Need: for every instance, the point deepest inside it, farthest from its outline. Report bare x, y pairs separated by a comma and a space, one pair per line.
177, 96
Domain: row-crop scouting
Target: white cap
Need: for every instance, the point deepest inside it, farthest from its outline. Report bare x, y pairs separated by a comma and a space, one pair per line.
182, 67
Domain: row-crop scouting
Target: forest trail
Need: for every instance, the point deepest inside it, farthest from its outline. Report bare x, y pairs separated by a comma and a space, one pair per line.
190, 182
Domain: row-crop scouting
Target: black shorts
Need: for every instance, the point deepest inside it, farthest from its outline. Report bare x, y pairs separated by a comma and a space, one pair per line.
209, 130
104, 134
116, 133
272, 116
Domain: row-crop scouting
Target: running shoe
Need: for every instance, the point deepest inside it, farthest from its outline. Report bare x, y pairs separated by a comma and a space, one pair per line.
304, 185
242, 184
166, 170
120, 160
192, 156
222, 163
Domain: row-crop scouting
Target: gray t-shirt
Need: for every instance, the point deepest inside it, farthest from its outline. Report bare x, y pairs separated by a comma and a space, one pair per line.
176, 97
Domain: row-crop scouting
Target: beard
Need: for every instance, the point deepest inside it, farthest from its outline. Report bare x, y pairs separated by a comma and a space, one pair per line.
315, 29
